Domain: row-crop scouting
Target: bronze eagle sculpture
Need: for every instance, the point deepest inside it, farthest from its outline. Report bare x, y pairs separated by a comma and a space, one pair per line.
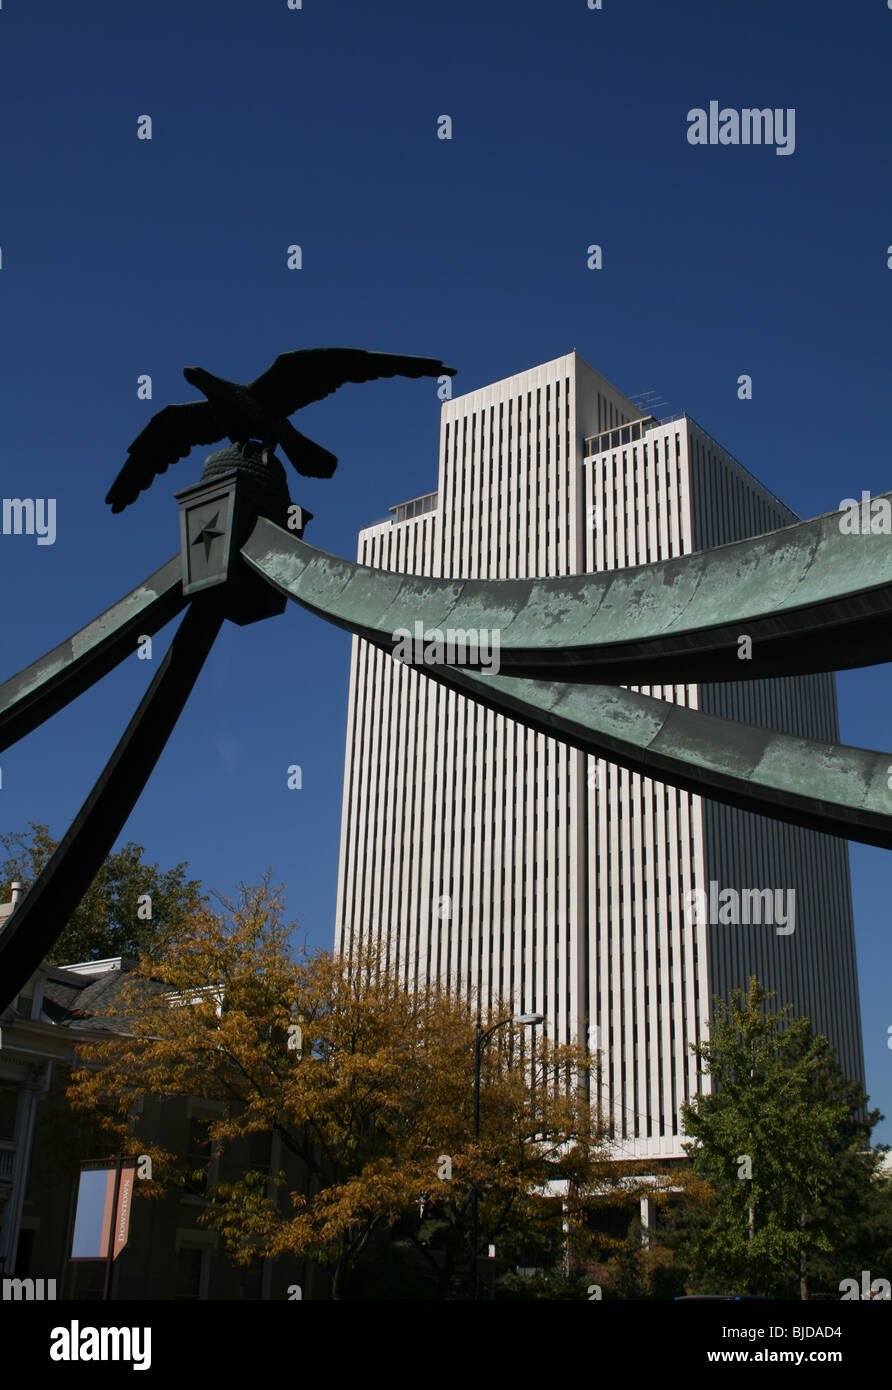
257, 410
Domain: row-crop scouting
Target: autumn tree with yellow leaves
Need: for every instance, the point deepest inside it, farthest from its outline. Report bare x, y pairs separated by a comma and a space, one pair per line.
369, 1085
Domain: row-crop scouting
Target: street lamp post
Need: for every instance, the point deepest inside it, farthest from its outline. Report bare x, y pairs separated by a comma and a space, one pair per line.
483, 1035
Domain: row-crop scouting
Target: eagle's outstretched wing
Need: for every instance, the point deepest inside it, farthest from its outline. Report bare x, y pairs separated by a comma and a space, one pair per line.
297, 378
168, 436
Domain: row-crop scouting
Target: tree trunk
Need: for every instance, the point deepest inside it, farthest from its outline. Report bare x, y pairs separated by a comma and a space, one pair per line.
751, 1233
340, 1269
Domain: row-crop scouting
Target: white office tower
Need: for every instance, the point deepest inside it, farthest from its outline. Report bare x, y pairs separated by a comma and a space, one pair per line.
512, 864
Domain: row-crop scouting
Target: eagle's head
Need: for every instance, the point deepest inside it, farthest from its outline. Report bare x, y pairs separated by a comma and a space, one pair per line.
196, 376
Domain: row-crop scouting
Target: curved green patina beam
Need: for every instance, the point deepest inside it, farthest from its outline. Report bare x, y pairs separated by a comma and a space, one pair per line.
829, 787
810, 597
839, 790
54, 680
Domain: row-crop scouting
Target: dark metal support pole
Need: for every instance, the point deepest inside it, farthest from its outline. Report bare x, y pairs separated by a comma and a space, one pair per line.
49, 902
474, 1234
110, 1258
481, 1036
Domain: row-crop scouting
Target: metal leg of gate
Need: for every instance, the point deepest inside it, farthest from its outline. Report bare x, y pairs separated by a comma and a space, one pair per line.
49, 902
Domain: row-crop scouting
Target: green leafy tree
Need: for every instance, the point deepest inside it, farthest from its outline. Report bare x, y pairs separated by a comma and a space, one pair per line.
130, 907
783, 1143
369, 1086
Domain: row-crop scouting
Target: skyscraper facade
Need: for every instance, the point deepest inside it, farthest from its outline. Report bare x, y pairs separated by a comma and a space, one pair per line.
478, 851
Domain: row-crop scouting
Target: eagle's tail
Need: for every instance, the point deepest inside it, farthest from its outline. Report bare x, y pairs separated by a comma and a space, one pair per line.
308, 458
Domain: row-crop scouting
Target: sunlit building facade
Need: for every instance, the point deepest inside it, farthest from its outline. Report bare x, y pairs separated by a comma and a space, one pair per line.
499, 858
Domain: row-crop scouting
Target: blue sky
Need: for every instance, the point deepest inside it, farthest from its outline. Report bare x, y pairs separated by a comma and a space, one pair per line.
318, 126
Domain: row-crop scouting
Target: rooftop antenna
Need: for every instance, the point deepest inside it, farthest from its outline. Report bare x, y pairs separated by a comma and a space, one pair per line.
648, 401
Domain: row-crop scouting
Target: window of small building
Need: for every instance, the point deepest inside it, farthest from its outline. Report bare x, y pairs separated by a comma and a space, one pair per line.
190, 1262
9, 1098
198, 1157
